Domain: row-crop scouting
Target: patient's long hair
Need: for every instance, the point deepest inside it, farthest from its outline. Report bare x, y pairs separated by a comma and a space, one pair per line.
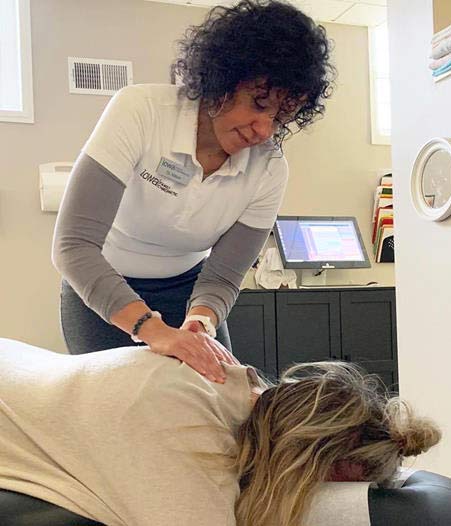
320, 416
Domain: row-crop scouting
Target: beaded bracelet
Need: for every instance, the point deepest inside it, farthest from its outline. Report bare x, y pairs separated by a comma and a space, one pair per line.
137, 326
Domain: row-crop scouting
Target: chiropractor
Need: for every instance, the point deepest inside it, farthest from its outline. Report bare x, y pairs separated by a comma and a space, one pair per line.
177, 188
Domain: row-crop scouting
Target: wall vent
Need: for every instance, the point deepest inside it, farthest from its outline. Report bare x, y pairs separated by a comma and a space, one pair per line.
98, 76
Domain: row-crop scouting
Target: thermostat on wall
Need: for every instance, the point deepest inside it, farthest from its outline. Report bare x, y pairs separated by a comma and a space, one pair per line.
53, 178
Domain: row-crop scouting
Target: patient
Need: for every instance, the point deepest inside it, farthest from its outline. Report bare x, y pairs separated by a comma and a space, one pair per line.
324, 421
131, 438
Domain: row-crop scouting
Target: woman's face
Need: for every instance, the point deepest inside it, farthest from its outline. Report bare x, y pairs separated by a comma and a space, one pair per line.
248, 119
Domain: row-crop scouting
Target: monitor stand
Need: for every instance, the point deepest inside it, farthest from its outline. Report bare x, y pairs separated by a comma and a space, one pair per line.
313, 277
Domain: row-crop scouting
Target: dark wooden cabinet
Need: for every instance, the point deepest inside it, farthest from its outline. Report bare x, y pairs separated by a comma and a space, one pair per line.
368, 335
252, 327
308, 327
273, 329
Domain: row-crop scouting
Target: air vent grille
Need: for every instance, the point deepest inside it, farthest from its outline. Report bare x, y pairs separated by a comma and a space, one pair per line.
98, 76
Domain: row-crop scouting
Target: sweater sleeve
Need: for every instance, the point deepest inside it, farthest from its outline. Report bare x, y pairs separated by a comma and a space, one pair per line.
218, 284
87, 211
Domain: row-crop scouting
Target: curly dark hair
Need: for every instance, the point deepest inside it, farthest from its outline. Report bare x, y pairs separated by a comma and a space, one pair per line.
259, 39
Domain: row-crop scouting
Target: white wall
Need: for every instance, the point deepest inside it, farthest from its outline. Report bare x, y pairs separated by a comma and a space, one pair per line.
421, 110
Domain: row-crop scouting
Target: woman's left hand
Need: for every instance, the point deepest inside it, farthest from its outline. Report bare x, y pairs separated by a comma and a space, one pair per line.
221, 353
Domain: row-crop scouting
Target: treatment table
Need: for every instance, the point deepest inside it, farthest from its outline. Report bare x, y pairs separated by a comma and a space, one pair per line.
424, 499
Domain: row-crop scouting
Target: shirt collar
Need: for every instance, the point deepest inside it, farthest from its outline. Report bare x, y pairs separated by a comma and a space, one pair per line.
185, 132
185, 139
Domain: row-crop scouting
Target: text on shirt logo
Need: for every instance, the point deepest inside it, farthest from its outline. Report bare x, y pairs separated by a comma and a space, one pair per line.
157, 182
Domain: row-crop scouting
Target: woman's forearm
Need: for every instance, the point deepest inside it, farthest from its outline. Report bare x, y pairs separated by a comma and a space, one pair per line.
218, 284
127, 317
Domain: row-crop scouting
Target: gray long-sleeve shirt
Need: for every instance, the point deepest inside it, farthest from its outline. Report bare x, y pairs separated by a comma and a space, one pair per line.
87, 212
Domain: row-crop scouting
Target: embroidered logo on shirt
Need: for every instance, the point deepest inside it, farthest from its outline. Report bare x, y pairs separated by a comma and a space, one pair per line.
158, 183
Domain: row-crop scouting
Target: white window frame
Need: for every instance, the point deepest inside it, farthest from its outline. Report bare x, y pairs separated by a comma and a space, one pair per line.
26, 114
376, 136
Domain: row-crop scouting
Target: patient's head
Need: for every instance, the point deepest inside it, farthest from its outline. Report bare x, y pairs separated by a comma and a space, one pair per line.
323, 421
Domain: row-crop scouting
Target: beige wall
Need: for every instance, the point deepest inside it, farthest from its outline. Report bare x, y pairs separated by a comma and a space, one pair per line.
424, 251
332, 167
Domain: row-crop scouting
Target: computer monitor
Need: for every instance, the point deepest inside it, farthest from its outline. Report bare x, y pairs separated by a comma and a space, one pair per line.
320, 242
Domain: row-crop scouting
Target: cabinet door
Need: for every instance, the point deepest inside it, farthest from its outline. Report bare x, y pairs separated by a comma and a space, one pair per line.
308, 326
368, 320
252, 328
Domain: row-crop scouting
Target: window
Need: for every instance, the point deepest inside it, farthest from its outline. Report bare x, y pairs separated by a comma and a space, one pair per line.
380, 85
16, 83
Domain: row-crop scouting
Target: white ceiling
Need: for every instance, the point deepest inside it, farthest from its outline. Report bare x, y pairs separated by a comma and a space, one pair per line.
353, 12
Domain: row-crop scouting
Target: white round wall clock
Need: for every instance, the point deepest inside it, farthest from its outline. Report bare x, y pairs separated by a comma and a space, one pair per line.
431, 180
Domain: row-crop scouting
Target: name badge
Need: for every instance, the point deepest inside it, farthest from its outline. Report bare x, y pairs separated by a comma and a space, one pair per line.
175, 171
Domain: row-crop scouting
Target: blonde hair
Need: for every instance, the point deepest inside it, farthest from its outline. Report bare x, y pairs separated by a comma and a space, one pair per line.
320, 414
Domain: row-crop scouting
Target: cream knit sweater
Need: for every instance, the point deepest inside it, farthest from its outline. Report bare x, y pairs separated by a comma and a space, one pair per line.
114, 435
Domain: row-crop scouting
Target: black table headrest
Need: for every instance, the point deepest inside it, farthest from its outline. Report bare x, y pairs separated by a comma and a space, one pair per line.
423, 500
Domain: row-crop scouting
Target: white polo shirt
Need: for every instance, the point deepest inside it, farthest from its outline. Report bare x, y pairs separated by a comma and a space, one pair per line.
164, 227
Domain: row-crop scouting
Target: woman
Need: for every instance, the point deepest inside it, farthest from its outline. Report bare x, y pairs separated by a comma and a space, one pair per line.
131, 438
170, 173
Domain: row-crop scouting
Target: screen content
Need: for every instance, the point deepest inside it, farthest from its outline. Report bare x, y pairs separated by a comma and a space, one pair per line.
319, 240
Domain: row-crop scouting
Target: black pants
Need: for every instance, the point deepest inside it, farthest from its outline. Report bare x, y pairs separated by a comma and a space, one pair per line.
84, 331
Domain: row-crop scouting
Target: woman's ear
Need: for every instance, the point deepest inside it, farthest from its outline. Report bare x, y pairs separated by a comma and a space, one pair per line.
255, 394
346, 471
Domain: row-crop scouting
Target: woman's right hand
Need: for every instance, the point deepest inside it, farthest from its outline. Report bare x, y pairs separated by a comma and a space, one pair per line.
196, 349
